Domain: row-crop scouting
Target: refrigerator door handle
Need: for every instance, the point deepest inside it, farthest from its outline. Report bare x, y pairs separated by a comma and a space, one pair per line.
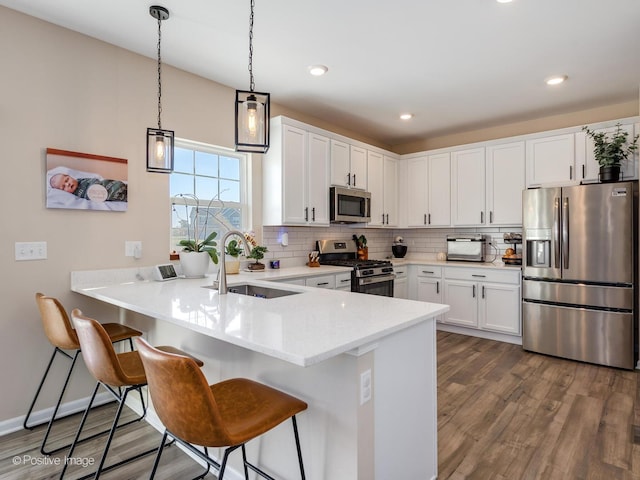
556, 231
565, 233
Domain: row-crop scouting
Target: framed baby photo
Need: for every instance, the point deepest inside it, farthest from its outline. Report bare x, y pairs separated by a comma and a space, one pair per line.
85, 182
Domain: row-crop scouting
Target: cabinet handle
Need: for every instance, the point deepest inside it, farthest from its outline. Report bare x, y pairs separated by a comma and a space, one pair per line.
490, 216
354, 179
437, 287
345, 280
387, 219
481, 217
584, 173
348, 179
474, 291
478, 275
323, 283
313, 214
427, 271
429, 219
483, 291
425, 219
383, 218
306, 214
570, 172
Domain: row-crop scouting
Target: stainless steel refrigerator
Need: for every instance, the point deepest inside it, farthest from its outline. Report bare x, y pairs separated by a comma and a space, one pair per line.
580, 272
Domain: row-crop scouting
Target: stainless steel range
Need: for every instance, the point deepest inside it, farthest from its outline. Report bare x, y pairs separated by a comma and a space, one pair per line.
374, 277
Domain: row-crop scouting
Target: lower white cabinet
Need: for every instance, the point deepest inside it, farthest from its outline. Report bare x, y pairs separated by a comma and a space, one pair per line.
321, 281
401, 283
343, 281
428, 285
483, 298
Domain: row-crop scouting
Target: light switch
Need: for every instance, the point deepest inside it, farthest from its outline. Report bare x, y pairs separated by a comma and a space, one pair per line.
133, 249
31, 251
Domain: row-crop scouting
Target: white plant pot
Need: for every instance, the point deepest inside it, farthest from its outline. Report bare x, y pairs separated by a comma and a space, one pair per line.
194, 264
231, 264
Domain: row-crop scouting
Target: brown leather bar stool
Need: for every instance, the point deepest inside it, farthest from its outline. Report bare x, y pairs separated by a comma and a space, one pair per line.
62, 336
227, 414
119, 373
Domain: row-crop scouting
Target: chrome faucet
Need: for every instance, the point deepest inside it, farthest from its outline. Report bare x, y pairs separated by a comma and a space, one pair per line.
222, 271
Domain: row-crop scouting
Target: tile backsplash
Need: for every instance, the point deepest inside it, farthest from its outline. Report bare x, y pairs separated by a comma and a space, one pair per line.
421, 243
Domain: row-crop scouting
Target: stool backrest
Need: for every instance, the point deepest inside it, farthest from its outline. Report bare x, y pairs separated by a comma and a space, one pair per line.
56, 323
182, 398
98, 352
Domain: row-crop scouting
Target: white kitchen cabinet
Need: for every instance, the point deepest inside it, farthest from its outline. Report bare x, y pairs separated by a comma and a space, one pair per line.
343, 281
348, 165
321, 281
505, 182
551, 160
483, 299
401, 282
429, 191
428, 284
382, 179
468, 187
588, 168
296, 177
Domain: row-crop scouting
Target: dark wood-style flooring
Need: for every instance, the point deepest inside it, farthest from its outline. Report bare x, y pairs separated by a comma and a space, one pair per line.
503, 414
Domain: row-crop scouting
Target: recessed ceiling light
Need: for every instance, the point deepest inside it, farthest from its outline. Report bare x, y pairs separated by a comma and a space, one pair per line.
556, 79
504, 1
406, 116
317, 70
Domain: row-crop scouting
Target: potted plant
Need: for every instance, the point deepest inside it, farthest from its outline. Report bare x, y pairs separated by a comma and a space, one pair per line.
611, 151
257, 253
196, 251
361, 244
232, 251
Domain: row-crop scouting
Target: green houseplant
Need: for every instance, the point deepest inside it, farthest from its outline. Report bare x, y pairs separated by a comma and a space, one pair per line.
233, 250
198, 247
257, 253
610, 150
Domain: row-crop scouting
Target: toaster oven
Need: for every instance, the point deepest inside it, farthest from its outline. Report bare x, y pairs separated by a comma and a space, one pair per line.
466, 248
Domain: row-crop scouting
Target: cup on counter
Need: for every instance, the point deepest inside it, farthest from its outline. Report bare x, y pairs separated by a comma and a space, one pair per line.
274, 264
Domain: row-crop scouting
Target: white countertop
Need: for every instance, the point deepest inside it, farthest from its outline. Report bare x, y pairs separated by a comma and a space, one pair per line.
303, 329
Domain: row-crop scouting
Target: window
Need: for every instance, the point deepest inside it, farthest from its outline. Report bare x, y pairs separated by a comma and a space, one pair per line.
208, 191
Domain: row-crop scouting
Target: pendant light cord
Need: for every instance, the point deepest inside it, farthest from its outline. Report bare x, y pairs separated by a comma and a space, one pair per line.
159, 74
252, 83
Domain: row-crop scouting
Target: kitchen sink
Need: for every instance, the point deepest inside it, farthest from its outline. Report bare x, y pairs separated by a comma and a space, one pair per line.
256, 291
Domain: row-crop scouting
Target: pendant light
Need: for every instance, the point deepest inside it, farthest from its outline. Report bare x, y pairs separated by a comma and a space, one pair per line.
252, 110
159, 142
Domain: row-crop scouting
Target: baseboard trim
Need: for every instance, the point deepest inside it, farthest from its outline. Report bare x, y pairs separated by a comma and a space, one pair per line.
472, 332
42, 416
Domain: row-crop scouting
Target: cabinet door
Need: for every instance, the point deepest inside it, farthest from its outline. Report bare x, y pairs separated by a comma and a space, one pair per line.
340, 174
439, 190
461, 296
321, 281
358, 167
505, 182
589, 169
417, 192
294, 154
343, 281
468, 187
551, 160
499, 308
375, 182
390, 179
401, 288
318, 179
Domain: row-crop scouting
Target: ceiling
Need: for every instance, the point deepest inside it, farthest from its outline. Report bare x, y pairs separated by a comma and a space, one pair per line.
457, 65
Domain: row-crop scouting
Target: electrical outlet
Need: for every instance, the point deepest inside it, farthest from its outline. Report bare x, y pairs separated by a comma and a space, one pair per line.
30, 251
365, 386
133, 249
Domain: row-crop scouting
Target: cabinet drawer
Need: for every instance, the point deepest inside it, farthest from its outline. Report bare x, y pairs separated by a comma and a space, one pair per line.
343, 280
428, 271
400, 272
324, 281
483, 275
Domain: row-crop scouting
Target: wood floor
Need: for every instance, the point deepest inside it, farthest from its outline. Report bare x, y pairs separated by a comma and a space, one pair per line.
503, 414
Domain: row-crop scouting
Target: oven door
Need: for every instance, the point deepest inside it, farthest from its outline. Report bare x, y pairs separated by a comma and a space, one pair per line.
375, 285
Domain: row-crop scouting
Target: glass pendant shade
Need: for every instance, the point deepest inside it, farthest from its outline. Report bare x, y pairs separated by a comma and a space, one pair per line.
252, 122
160, 150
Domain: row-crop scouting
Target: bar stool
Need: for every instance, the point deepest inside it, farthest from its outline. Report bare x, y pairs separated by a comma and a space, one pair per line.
119, 373
62, 336
227, 414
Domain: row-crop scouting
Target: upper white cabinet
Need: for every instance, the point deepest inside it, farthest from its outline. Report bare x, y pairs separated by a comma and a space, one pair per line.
588, 168
296, 177
551, 160
468, 187
382, 180
505, 182
348, 165
429, 191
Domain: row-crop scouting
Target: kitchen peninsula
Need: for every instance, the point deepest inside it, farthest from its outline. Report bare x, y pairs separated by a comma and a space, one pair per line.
366, 365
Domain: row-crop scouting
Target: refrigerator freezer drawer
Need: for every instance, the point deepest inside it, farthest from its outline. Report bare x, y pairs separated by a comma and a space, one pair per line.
579, 294
594, 336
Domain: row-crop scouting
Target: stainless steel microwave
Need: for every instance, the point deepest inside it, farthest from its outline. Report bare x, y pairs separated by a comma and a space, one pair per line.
349, 206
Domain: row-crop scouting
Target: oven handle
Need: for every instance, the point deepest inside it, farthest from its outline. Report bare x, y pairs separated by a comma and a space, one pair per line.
376, 279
